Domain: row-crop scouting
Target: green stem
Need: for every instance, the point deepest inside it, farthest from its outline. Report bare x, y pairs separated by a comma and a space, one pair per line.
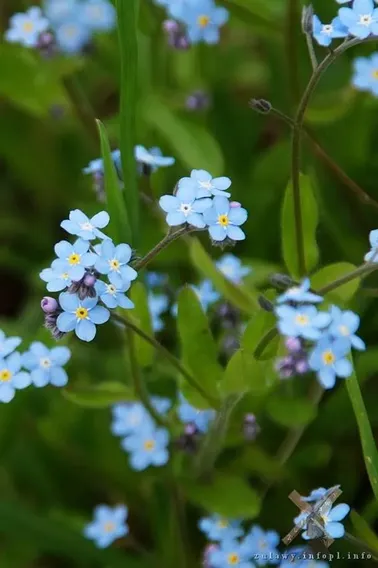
171, 358
360, 272
166, 241
264, 342
82, 106
360, 544
311, 51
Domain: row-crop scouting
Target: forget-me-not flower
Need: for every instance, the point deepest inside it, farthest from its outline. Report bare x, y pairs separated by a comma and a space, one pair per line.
303, 321
155, 279
152, 158
25, 28
88, 229
129, 417
345, 324
299, 294
232, 268
218, 528
224, 221
157, 305
372, 255
58, 11
8, 344
76, 258
263, 545
205, 185
112, 296
45, 365
56, 276
80, 315
205, 293
94, 167
113, 261
72, 35
11, 376
147, 446
361, 18
203, 20
329, 360
331, 517
98, 15
188, 414
108, 525
365, 78
232, 553
325, 33
184, 207
315, 495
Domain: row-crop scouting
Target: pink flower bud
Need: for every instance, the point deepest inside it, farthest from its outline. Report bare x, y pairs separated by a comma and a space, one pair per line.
49, 305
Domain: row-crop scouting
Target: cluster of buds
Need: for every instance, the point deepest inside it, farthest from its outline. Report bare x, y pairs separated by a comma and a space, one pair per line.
51, 310
295, 362
177, 37
189, 439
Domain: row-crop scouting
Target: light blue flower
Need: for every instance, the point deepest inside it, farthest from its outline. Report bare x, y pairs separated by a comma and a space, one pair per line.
113, 261
88, 229
331, 517
206, 293
224, 221
147, 446
203, 20
72, 36
152, 158
218, 528
204, 185
94, 167
45, 365
345, 324
81, 316
188, 414
98, 15
361, 18
157, 304
232, 268
315, 495
112, 296
25, 28
325, 33
58, 11
8, 344
365, 78
299, 557
11, 377
329, 361
184, 207
303, 321
56, 276
300, 294
372, 256
263, 545
129, 417
155, 279
108, 525
231, 553
75, 258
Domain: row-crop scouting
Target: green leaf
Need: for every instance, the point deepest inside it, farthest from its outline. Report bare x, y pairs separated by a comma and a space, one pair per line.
369, 448
141, 313
363, 530
332, 272
190, 142
309, 211
199, 351
245, 374
99, 396
127, 18
260, 323
119, 228
227, 495
291, 412
239, 296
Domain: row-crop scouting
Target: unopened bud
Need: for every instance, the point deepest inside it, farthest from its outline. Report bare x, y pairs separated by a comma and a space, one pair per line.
235, 204
260, 105
281, 281
307, 19
170, 26
293, 344
89, 280
49, 305
265, 304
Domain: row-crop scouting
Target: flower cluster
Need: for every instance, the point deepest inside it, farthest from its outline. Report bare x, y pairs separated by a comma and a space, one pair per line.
77, 268
202, 201
108, 525
67, 24
43, 366
365, 76
317, 341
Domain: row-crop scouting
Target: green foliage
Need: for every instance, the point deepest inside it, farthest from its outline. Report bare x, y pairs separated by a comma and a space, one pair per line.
290, 411
144, 351
328, 274
99, 396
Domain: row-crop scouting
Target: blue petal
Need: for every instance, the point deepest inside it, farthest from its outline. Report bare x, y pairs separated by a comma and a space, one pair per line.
235, 233
196, 220
76, 273
85, 330
217, 233
339, 512
169, 203
21, 380
6, 393
58, 377
221, 205
327, 378
63, 249
128, 274
39, 349
343, 368
175, 218
57, 284
99, 315
108, 250
60, 355
100, 220
335, 530
40, 377
237, 215
125, 303
123, 253
66, 322
69, 302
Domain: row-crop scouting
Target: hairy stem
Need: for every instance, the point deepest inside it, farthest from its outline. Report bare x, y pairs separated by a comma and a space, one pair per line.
166, 241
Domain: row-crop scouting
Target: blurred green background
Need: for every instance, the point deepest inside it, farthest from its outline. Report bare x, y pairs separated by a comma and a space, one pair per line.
58, 459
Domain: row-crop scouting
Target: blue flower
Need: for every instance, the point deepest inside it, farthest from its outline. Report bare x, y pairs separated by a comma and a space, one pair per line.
152, 158
184, 207
329, 360
232, 268
303, 321
11, 377
8, 344
88, 229
224, 221
25, 28
94, 167
204, 185
345, 324
57, 277
129, 417
206, 294
98, 15
218, 528
157, 304
361, 19
263, 545
203, 20
75, 258
188, 414
46, 364
81, 316
109, 524
112, 296
147, 446
231, 553
325, 33
113, 261
300, 294
58, 11
372, 256
155, 279
72, 36
315, 495
331, 517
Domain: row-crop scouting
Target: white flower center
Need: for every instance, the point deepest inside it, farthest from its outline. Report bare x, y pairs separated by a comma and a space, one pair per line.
134, 418
86, 226
293, 291
302, 319
206, 184
366, 20
185, 208
111, 289
327, 29
45, 363
344, 330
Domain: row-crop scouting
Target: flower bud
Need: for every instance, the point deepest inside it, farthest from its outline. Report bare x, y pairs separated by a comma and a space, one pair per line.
265, 304
307, 19
197, 101
281, 281
89, 280
293, 344
260, 105
49, 305
235, 204
302, 366
171, 27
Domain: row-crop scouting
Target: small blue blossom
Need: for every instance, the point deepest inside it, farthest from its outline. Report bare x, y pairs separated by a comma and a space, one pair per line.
303, 321
361, 18
57, 277
113, 261
81, 316
203, 20
98, 15
108, 525
45, 365
72, 36
155, 279
232, 268
325, 33
315, 495
157, 304
224, 221
231, 553
204, 185
8, 344
25, 28
129, 417
11, 376
218, 528
345, 324
331, 517
58, 11
365, 78
76, 258
263, 545
112, 296
206, 294
188, 414
329, 360
152, 159
88, 229
184, 207
147, 446
300, 294
94, 167
372, 255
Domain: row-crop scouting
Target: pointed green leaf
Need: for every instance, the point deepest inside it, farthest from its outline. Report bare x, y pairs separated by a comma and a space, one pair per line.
99, 396
141, 313
309, 211
259, 324
332, 272
363, 530
245, 374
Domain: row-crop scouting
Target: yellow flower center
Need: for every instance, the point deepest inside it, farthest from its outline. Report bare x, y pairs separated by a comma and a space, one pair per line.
203, 20
344, 330
5, 375
74, 258
114, 264
302, 319
64, 276
233, 559
328, 357
223, 220
149, 445
109, 527
81, 313
374, 74
28, 27
222, 524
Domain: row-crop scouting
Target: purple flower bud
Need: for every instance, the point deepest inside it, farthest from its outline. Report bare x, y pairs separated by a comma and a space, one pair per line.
197, 101
301, 366
171, 27
293, 344
182, 42
206, 554
49, 305
190, 429
251, 428
235, 204
89, 280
